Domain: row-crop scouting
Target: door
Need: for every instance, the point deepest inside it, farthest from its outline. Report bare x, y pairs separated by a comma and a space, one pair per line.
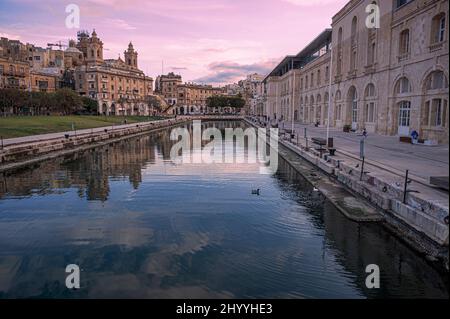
354, 115
404, 118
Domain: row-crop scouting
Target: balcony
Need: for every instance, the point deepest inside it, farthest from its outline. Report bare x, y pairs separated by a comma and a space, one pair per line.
369, 69
436, 46
14, 74
403, 56
351, 74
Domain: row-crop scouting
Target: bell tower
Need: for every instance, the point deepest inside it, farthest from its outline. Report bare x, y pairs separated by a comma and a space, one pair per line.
94, 50
131, 56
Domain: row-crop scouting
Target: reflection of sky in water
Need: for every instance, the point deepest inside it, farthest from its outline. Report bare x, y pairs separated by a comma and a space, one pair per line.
155, 229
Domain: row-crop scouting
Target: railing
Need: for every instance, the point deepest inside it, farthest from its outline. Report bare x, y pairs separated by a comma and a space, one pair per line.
436, 46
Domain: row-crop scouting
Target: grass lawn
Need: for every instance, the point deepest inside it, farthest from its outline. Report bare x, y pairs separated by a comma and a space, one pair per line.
18, 126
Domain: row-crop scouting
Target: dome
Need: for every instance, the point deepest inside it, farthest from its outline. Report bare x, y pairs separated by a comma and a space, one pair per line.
72, 50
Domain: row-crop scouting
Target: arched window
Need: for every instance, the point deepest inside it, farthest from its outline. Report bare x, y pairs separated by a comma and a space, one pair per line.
338, 95
403, 86
370, 91
436, 80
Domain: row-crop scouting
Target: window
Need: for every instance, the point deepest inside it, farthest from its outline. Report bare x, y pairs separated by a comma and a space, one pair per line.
371, 54
435, 113
318, 78
354, 30
438, 26
403, 86
370, 91
1, 69
338, 112
312, 80
404, 42
436, 81
370, 110
400, 3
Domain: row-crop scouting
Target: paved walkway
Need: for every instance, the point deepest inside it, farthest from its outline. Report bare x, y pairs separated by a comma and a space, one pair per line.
422, 161
49, 136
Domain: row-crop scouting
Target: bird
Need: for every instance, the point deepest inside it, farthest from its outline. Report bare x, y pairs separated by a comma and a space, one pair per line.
256, 192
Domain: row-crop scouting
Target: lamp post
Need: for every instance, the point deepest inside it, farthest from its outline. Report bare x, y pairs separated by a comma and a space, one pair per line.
329, 94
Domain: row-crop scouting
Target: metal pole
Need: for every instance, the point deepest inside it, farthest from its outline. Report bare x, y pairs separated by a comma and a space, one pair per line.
405, 189
362, 168
329, 94
293, 99
1, 137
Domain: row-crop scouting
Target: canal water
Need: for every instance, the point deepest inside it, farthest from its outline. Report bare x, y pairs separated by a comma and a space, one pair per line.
141, 226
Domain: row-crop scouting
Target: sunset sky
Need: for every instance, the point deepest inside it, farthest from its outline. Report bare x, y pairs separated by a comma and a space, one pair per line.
209, 41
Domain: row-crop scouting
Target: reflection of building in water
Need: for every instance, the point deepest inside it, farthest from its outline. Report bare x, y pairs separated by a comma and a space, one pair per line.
89, 171
355, 246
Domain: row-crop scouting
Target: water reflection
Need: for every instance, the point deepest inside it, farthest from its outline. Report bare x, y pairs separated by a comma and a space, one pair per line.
140, 226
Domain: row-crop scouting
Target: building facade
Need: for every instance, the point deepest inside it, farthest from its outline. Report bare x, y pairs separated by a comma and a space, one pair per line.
119, 86
192, 98
390, 78
14, 74
166, 86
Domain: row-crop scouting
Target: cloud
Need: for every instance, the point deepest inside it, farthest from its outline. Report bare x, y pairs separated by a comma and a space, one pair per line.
228, 72
120, 24
310, 3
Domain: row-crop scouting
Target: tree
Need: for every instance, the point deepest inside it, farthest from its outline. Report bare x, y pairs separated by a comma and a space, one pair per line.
67, 101
225, 101
89, 105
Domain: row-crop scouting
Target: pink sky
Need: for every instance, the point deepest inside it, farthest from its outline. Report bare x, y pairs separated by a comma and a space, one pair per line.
214, 41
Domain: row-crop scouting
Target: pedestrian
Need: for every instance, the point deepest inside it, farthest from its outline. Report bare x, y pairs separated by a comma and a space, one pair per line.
414, 137
364, 133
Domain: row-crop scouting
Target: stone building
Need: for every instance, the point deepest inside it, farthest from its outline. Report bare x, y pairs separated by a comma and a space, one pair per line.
192, 98
44, 81
390, 80
118, 85
166, 86
14, 74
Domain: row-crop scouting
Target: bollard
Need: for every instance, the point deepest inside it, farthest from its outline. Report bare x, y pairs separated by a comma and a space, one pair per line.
1, 137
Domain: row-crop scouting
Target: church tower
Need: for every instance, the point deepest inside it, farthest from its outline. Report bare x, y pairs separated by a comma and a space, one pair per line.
131, 56
94, 50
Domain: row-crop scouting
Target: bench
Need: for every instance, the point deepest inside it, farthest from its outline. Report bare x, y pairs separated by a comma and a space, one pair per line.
321, 142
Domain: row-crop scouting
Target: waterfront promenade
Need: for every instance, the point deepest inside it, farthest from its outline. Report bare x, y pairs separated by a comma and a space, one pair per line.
385, 152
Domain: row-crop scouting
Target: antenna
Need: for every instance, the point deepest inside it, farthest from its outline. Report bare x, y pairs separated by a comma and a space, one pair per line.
162, 67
